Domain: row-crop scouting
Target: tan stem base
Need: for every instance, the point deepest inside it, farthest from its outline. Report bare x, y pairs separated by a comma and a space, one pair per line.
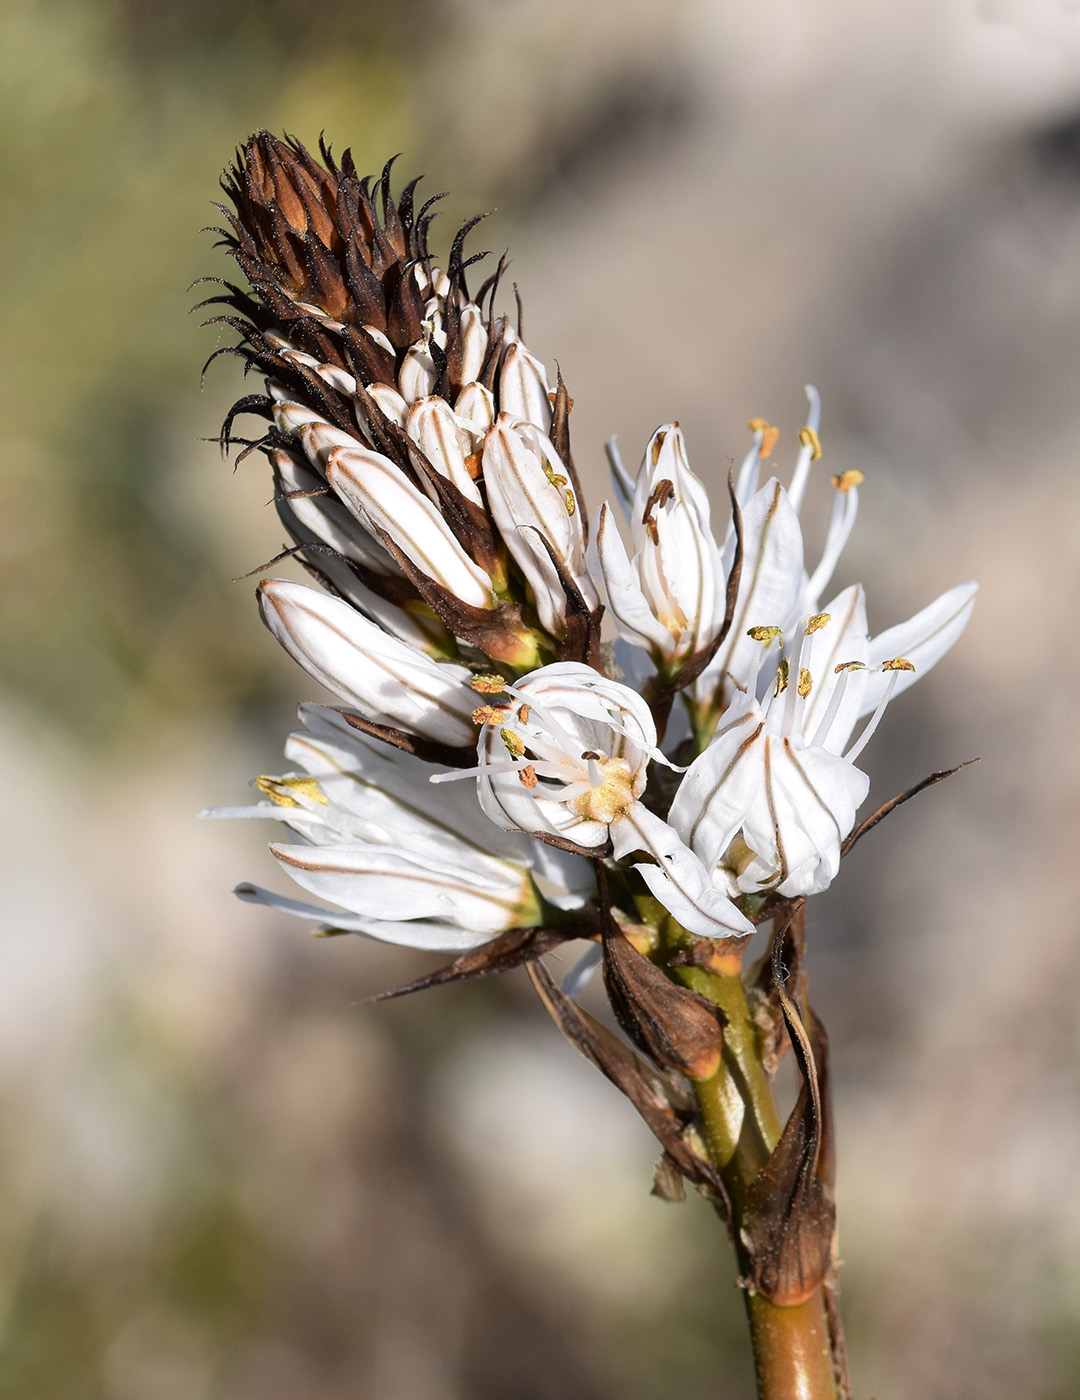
792, 1355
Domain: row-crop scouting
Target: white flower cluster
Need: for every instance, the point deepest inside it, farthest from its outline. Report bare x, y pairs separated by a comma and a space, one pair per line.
422, 463
564, 753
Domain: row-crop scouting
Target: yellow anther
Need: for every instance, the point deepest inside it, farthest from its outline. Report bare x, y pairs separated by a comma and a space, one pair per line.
817, 622
552, 475
809, 438
848, 666
781, 677
764, 634
488, 683
514, 746
898, 663
769, 435
527, 776
490, 714
571, 504
303, 787
846, 480
806, 682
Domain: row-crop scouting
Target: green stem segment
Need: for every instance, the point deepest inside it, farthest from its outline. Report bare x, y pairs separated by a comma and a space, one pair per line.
792, 1350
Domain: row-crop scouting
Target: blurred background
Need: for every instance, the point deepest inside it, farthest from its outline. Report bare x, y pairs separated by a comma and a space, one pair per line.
223, 1177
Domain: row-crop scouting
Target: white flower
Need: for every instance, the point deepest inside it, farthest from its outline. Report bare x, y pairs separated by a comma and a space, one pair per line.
565, 759
534, 505
388, 681
670, 597
407, 863
770, 801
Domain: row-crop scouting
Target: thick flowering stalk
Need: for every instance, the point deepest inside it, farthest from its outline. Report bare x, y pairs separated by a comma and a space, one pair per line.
494, 785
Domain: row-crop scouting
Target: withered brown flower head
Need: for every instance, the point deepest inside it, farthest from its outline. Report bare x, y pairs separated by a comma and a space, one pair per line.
421, 460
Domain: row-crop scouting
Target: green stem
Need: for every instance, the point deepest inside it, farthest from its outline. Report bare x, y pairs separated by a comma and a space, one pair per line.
792, 1351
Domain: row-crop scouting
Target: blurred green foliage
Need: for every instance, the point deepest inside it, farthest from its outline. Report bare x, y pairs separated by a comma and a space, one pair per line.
119, 119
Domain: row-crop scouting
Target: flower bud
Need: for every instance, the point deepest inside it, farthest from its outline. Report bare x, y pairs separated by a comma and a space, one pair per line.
388, 682
381, 498
532, 500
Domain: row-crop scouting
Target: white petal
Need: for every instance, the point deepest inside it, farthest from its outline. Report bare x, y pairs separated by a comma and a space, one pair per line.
389, 791
621, 478
617, 580
390, 401
679, 880
523, 388
803, 811
416, 378
391, 883
721, 784
580, 975
435, 430
386, 680
475, 410
770, 583
524, 501
842, 639
422, 933
376, 491
923, 640
474, 343
326, 518
677, 560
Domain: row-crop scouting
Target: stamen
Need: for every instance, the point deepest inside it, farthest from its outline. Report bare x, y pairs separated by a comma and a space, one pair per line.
845, 508
769, 436
490, 714
793, 691
781, 677
846, 480
527, 776
765, 634
514, 745
455, 775
806, 682
808, 436
662, 492
523, 714
810, 439
835, 700
817, 622
488, 684
304, 787
545, 719
898, 663
875, 719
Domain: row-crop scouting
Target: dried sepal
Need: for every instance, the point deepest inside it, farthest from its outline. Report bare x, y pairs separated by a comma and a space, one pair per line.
901, 797
430, 750
505, 951
676, 1027
668, 1184
646, 1089
788, 1221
